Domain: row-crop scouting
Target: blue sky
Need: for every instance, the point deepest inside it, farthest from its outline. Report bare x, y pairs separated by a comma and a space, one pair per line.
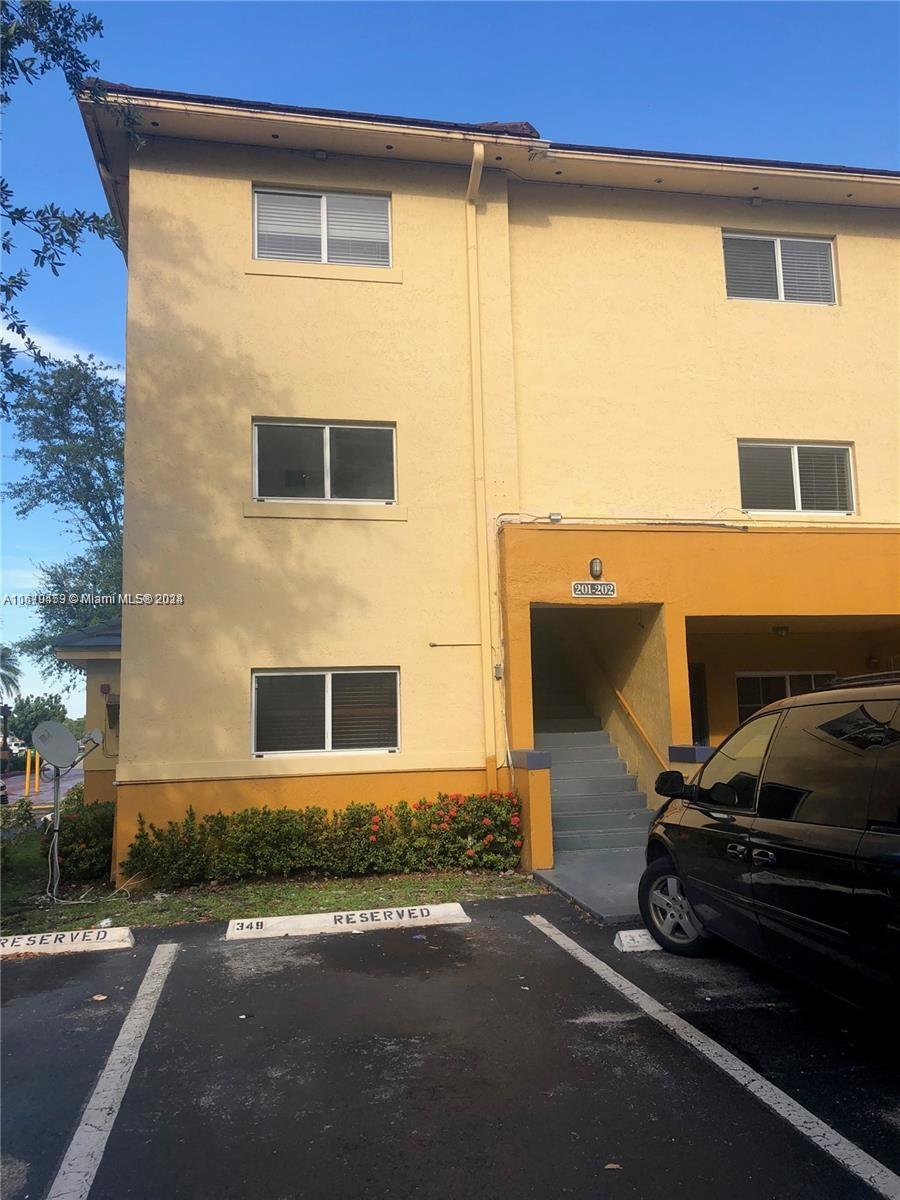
807, 81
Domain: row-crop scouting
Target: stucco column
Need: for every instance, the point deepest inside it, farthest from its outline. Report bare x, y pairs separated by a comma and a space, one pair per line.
532, 776
679, 679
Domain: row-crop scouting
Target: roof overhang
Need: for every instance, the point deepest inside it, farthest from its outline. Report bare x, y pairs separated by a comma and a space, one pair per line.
81, 656
186, 117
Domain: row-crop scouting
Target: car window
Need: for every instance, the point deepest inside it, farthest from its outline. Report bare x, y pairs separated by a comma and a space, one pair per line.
738, 760
822, 763
884, 804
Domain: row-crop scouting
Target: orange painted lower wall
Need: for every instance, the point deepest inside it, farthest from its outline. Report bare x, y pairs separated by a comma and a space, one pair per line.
163, 802
99, 785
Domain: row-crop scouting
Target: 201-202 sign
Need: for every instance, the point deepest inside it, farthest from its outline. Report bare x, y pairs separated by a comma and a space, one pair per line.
593, 588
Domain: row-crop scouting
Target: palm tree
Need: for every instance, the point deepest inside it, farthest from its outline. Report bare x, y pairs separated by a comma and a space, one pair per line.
10, 672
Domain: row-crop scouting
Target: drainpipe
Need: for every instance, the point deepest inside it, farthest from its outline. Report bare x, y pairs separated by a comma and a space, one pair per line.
481, 514
475, 173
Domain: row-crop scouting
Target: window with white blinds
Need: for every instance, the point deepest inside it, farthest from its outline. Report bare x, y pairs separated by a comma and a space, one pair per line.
296, 712
778, 268
329, 227
795, 477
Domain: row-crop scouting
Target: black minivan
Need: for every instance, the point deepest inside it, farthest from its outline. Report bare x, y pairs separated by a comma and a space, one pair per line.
787, 842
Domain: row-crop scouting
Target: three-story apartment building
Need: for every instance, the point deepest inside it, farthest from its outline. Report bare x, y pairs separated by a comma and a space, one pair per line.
445, 433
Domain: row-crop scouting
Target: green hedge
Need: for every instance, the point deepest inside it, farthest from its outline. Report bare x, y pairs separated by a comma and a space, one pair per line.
85, 836
481, 831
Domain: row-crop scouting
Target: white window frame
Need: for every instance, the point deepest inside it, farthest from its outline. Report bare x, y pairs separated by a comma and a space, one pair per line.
785, 675
795, 472
777, 238
328, 672
323, 224
325, 426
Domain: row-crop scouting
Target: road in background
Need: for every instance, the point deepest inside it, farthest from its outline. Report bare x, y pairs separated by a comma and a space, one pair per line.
15, 787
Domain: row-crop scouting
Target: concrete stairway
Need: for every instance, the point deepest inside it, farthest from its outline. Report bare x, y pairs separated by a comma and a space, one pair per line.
596, 805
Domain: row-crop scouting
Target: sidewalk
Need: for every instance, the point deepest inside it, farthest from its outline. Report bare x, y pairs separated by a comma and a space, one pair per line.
604, 882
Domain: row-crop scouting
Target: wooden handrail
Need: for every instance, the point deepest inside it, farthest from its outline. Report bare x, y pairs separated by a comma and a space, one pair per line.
628, 709
641, 730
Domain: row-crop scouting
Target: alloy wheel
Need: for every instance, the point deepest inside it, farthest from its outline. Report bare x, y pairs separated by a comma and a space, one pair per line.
671, 911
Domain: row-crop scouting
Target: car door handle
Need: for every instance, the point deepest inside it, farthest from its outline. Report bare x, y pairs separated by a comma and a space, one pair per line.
764, 857
736, 851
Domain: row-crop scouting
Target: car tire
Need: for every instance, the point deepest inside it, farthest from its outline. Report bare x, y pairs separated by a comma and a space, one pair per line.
667, 912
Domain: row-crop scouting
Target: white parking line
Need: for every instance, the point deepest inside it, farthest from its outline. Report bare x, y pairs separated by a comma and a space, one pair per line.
79, 1166
866, 1168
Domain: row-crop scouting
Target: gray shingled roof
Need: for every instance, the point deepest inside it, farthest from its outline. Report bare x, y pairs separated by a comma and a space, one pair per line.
105, 636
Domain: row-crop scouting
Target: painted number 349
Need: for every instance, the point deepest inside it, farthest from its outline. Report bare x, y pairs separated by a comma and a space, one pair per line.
243, 925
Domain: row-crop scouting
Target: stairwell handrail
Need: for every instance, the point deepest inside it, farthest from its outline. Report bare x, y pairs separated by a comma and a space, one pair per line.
629, 711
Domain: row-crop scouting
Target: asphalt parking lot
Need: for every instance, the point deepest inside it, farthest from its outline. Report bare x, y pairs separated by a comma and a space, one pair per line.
480, 1058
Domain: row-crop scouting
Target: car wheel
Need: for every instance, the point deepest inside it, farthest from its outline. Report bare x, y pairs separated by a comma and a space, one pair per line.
667, 911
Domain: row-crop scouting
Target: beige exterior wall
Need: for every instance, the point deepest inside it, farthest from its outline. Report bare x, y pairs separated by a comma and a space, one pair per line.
101, 673
212, 343
550, 349
636, 375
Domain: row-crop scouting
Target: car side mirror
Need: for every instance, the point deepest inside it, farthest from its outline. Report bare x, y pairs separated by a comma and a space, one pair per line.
722, 795
670, 783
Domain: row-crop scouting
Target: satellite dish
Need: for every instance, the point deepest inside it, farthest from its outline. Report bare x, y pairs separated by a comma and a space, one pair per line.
55, 743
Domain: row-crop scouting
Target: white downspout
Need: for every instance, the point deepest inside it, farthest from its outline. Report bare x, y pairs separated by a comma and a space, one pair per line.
478, 439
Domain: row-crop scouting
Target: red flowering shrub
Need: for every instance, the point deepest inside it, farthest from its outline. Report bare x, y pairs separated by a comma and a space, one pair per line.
359, 840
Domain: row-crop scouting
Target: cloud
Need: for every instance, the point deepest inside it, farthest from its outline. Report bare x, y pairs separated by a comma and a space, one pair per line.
62, 348
20, 579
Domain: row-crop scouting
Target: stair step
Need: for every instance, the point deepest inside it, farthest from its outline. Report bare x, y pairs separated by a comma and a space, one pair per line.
592, 787
588, 768
607, 839
610, 802
590, 780
586, 753
553, 726
592, 822
573, 757
561, 708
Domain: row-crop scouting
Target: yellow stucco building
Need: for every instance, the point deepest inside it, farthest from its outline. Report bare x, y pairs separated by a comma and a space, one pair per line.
448, 436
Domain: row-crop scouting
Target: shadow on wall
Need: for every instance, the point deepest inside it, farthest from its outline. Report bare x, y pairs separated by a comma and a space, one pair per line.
190, 398
602, 651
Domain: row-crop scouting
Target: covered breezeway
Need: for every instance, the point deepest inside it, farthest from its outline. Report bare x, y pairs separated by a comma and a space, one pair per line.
739, 664
656, 659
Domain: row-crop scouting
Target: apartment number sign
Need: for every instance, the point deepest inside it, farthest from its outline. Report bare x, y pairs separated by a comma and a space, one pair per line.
592, 588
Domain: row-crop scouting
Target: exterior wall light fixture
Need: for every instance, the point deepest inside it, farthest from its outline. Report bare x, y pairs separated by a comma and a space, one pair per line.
595, 566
